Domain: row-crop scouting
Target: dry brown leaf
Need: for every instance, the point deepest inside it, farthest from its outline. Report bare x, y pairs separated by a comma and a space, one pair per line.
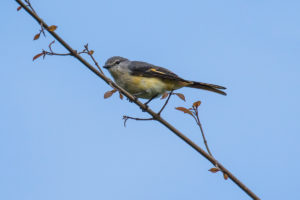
225, 176
121, 95
181, 96
37, 56
185, 110
164, 95
52, 28
214, 170
196, 104
109, 93
91, 52
37, 36
19, 8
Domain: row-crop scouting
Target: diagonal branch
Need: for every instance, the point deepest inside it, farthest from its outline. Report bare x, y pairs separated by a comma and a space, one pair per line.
140, 104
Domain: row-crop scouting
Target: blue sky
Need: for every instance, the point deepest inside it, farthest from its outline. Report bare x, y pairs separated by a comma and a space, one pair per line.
59, 139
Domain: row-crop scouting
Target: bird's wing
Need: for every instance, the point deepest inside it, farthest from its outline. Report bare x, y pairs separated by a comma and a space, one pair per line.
148, 70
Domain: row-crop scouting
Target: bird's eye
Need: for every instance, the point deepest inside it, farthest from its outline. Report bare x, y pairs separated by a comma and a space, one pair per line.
117, 62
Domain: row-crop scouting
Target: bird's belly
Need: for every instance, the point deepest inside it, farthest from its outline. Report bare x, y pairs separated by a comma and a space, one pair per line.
144, 87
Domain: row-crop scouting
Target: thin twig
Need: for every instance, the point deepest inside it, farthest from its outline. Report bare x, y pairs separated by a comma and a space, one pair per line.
125, 118
42, 30
91, 55
29, 5
55, 54
141, 105
42, 27
202, 132
52, 53
49, 46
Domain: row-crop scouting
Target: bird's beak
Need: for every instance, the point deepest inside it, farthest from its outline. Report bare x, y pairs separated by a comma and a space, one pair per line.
106, 66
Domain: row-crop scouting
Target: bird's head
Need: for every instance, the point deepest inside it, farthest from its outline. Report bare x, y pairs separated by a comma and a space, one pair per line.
113, 62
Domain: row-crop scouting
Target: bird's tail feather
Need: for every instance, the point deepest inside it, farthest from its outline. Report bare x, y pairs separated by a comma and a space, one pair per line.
206, 86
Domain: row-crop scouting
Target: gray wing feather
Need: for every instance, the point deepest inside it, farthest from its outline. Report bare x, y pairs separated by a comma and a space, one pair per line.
144, 69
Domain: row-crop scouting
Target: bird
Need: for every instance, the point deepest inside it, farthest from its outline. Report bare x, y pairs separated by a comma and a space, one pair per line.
148, 81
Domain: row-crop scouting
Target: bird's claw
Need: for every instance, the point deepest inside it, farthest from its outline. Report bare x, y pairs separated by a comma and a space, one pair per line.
144, 109
134, 99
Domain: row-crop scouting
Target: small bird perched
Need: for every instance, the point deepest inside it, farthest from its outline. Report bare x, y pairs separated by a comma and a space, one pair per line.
147, 81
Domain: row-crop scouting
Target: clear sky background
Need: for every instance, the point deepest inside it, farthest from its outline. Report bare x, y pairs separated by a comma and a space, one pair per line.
59, 139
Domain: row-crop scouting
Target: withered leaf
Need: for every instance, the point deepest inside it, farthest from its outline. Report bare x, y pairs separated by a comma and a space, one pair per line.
214, 170
181, 96
121, 95
52, 28
37, 56
37, 36
109, 93
196, 104
91, 52
225, 176
164, 95
185, 110
19, 8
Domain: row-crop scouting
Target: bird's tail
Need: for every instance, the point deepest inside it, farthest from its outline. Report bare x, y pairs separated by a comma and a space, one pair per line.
207, 86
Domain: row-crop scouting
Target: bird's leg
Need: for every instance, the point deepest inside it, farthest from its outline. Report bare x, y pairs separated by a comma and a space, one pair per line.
146, 104
170, 94
135, 99
150, 100
129, 100
135, 96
